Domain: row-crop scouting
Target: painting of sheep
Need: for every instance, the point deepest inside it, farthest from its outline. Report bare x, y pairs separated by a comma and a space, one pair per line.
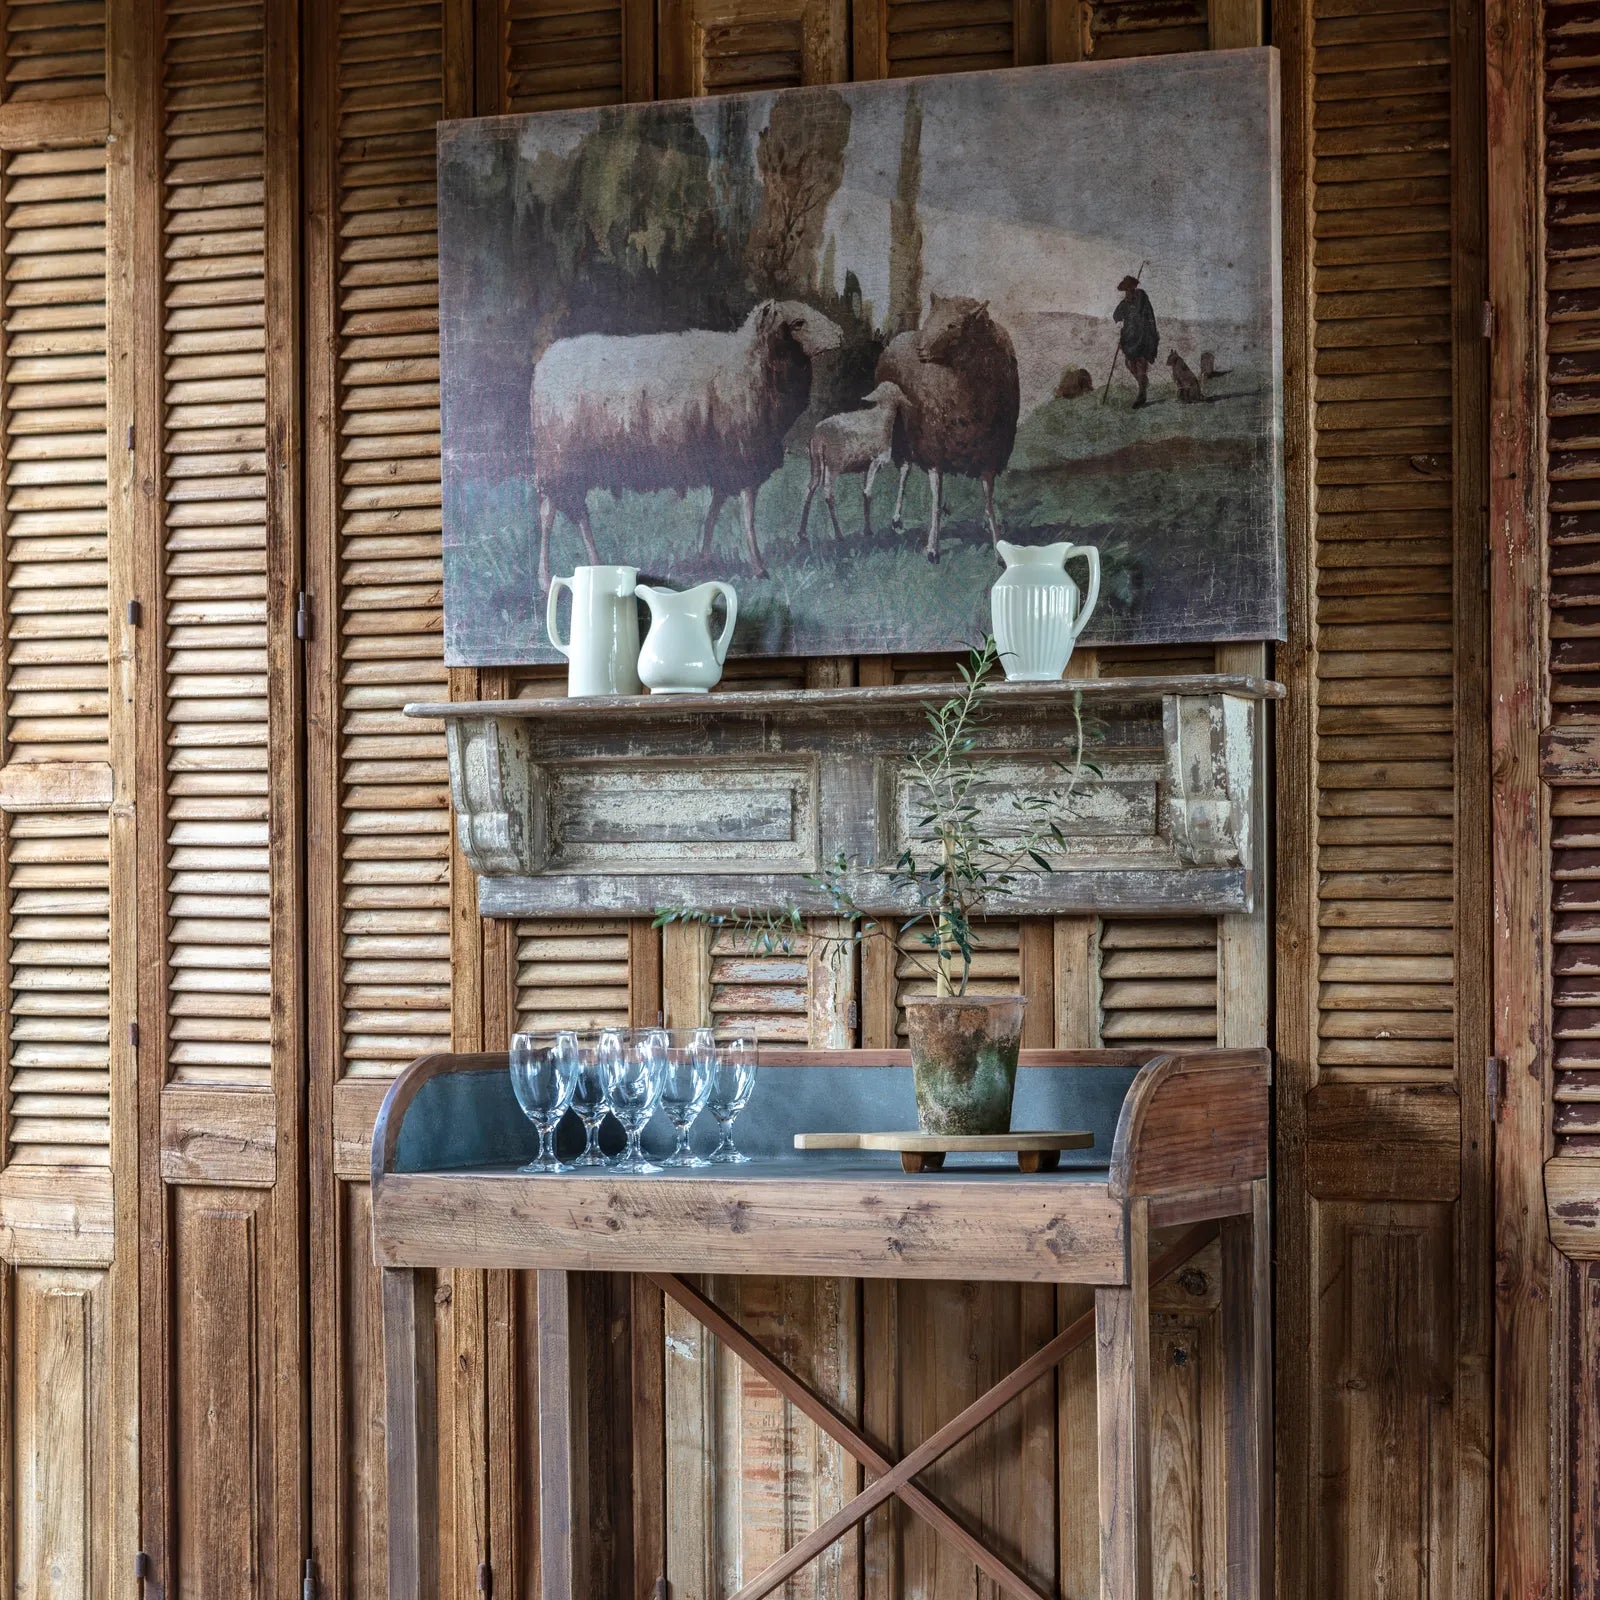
667, 331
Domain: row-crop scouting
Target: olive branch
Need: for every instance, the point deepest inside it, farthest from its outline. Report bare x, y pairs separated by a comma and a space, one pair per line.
953, 871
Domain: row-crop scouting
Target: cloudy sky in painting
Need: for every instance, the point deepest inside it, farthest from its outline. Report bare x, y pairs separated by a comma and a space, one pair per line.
1072, 178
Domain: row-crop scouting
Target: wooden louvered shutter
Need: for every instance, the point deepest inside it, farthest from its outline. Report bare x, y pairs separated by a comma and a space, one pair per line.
68, 1291
378, 79
221, 1052
1383, 995
1571, 370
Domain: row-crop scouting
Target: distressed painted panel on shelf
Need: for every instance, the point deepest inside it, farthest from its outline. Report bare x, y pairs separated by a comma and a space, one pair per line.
626, 805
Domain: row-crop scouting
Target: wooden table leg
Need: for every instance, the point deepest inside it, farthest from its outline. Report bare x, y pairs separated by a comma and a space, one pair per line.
411, 1407
1122, 1370
563, 1438
1246, 1396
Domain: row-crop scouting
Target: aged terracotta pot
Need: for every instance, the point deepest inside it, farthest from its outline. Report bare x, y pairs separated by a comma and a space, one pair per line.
964, 1060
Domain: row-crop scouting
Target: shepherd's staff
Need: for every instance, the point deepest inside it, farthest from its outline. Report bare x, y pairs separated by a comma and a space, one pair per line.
1105, 392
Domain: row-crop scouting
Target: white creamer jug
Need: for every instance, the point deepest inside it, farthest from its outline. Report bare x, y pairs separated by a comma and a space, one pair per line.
679, 655
1035, 608
602, 649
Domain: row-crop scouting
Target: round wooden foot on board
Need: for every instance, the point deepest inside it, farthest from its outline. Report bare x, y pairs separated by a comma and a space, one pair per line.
921, 1160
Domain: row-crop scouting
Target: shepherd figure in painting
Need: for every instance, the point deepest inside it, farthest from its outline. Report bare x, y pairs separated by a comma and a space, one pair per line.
1140, 339
959, 377
679, 411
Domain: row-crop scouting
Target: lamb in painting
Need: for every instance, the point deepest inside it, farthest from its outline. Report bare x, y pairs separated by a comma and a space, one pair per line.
1075, 381
959, 376
852, 441
1190, 390
691, 410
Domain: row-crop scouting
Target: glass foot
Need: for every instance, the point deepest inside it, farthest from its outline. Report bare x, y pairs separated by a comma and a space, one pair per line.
592, 1158
546, 1164
728, 1158
640, 1166
687, 1159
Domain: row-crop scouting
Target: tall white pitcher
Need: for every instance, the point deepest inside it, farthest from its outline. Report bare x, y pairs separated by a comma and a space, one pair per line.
602, 649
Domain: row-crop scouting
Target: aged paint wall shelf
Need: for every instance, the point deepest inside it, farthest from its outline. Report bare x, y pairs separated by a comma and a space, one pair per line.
600, 807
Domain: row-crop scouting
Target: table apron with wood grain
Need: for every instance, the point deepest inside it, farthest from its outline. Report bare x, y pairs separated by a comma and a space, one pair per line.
1189, 1153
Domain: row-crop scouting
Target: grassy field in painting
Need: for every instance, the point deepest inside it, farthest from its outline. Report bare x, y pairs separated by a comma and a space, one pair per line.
1150, 488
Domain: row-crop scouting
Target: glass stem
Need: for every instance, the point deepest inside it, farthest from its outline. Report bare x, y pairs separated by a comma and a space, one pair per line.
682, 1149
546, 1153
591, 1139
635, 1152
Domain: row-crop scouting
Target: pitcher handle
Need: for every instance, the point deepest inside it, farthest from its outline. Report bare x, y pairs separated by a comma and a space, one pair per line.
720, 644
1092, 593
563, 645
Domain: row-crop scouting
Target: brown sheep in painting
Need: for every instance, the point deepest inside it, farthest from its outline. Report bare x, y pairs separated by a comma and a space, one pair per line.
959, 376
690, 410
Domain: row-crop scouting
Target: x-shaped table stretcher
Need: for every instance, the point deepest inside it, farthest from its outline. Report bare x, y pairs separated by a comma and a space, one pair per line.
896, 1479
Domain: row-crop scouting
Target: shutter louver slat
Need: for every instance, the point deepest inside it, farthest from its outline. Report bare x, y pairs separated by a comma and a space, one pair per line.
395, 799
1158, 982
55, 49
58, 975
215, 547
1572, 312
937, 36
572, 974
1384, 541
561, 55
52, 283
759, 993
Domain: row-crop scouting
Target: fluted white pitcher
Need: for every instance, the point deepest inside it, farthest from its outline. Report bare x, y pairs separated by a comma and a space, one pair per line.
1036, 608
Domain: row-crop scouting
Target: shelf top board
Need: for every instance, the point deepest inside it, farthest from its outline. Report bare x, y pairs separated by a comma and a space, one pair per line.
761, 701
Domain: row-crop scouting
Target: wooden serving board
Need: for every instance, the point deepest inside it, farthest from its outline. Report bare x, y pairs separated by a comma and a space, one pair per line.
925, 1152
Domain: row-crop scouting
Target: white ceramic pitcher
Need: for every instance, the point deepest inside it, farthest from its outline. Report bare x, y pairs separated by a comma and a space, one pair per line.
679, 655
1036, 610
602, 649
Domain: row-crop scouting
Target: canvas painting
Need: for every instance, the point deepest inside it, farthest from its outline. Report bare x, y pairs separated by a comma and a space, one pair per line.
832, 344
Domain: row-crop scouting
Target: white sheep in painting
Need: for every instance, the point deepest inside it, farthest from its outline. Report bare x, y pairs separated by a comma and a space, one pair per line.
689, 410
852, 441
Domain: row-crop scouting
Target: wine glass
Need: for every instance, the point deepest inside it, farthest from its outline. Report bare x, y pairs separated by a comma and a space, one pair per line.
733, 1076
631, 1068
685, 1086
543, 1073
589, 1097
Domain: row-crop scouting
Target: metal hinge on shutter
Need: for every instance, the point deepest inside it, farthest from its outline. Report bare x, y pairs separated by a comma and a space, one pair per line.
485, 1580
308, 1585
302, 616
1496, 1086
144, 1573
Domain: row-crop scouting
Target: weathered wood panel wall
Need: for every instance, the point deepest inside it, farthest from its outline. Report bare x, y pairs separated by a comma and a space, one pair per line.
218, 392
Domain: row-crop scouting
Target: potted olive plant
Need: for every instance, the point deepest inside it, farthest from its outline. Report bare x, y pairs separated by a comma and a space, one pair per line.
964, 1045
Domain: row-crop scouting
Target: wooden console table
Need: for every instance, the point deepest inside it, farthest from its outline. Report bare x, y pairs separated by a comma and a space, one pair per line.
1182, 1143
